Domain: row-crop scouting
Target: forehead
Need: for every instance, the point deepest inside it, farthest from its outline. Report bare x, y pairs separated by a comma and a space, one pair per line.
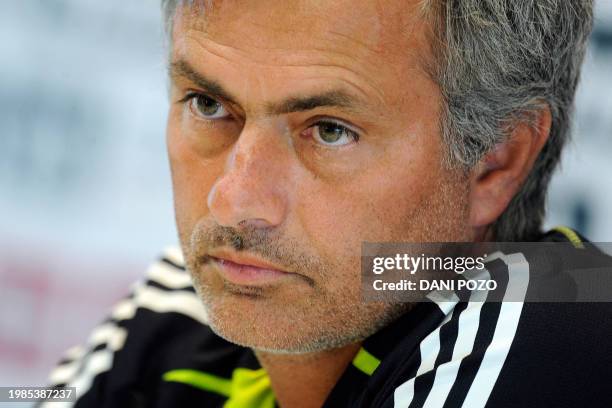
369, 23
367, 46
275, 31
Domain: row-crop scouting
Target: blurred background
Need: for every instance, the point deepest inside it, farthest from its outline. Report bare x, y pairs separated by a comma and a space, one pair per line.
85, 196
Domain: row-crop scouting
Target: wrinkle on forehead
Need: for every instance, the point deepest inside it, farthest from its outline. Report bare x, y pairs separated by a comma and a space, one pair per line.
362, 26
318, 65
372, 45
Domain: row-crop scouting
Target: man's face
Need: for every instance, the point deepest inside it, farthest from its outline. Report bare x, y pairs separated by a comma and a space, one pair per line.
298, 130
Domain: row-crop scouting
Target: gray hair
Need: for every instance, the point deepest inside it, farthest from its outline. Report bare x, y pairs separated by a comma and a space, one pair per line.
169, 8
502, 61
497, 63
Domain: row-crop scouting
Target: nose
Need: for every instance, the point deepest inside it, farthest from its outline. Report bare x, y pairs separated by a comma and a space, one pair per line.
253, 189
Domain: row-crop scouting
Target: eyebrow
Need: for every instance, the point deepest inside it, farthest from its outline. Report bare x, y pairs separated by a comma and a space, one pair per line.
213, 88
337, 98
333, 99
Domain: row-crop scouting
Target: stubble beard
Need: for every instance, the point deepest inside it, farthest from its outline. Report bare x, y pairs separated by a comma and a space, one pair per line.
320, 322
325, 320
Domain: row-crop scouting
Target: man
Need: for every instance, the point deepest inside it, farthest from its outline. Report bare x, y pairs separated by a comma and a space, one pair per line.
298, 130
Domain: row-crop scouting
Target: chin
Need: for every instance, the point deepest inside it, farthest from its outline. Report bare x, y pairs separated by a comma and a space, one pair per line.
281, 329
241, 321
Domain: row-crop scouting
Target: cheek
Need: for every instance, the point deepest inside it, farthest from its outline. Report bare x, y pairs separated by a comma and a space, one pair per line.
394, 198
192, 177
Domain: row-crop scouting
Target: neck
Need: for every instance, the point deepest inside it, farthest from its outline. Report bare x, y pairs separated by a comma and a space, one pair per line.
305, 380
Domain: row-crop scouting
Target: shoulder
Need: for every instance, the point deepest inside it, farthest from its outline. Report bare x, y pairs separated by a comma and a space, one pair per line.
159, 327
505, 354
555, 354
165, 292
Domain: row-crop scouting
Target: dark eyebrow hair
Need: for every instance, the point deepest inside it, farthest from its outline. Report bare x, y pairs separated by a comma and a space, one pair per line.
213, 88
334, 98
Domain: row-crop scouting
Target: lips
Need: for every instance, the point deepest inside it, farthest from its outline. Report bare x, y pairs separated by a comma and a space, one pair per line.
247, 271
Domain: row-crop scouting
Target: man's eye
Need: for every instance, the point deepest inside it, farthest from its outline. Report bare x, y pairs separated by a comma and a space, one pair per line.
207, 108
333, 134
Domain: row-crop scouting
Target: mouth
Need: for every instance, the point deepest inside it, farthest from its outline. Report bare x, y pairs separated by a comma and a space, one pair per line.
246, 270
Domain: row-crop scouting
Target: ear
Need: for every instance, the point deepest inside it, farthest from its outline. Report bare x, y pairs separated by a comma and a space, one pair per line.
499, 175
